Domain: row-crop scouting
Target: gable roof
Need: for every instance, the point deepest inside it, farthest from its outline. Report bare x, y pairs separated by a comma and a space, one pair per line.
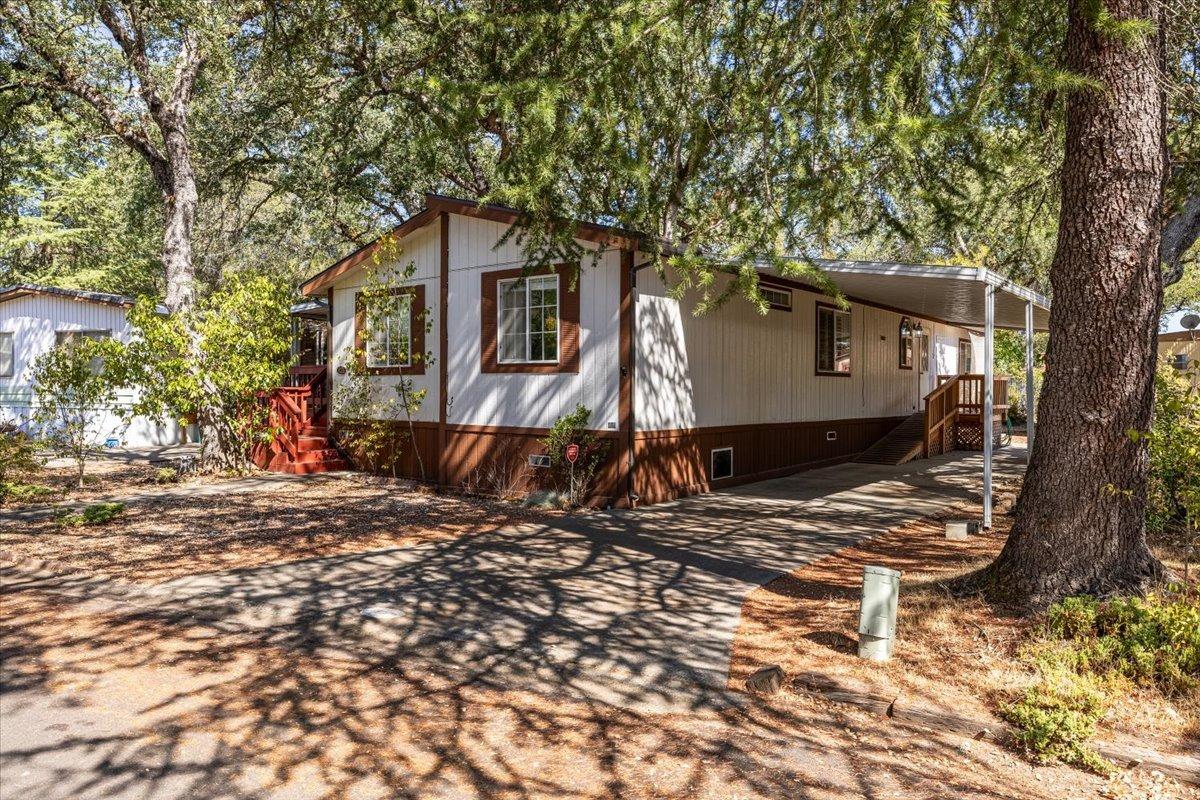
437, 204
25, 289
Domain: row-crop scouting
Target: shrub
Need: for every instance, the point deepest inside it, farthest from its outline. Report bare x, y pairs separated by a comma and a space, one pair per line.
1173, 497
24, 492
1154, 641
18, 455
97, 514
1057, 716
166, 475
576, 480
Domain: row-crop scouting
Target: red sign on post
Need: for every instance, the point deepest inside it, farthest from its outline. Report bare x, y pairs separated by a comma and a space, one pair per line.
572, 453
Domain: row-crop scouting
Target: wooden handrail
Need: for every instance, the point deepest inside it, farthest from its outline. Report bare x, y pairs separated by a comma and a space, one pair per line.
955, 396
291, 409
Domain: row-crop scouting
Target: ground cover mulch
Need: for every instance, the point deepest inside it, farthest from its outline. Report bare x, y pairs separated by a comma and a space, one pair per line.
137, 700
955, 656
155, 540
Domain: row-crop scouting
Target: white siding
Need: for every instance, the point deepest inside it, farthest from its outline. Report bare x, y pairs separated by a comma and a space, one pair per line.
421, 249
523, 400
34, 320
734, 366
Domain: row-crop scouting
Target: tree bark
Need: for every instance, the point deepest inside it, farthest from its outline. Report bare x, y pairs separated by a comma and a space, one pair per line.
1079, 522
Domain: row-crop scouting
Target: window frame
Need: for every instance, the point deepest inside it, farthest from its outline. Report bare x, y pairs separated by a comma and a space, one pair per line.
712, 458
570, 282
405, 307
910, 341
526, 279
416, 333
786, 291
817, 341
94, 334
965, 369
12, 353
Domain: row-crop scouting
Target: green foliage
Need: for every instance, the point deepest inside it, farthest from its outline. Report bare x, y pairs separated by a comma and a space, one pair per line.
75, 386
95, 514
1173, 494
18, 455
1091, 645
22, 492
368, 401
575, 481
1057, 716
166, 475
213, 361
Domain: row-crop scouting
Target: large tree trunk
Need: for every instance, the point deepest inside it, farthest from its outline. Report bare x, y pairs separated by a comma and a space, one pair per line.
181, 203
1080, 519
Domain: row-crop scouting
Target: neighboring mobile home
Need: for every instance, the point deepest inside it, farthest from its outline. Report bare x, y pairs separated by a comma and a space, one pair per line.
689, 403
34, 319
1181, 349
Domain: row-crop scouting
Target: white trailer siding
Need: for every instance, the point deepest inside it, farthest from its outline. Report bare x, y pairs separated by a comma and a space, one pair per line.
421, 250
34, 320
734, 366
528, 400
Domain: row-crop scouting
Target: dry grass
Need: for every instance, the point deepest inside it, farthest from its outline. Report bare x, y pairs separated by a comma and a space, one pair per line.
953, 655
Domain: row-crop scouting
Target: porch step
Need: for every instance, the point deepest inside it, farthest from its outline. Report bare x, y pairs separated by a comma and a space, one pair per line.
902, 444
312, 467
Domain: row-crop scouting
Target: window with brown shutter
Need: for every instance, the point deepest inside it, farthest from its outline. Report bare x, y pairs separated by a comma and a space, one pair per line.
398, 349
529, 323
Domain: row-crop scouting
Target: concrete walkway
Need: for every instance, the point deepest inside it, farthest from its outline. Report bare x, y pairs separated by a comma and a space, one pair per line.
635, 609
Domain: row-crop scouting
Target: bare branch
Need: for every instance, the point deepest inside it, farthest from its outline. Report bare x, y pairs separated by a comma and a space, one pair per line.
1179, 234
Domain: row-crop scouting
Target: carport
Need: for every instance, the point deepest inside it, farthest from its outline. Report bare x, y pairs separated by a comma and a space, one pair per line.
968, 297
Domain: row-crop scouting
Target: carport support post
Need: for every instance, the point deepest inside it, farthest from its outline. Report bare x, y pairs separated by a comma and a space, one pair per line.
1029, 404
989, 335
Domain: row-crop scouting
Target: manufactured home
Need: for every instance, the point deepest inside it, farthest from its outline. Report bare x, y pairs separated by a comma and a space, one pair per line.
688, 403
35, 319
1181, 349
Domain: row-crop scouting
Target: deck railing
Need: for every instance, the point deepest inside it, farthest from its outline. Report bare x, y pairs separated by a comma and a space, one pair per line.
958, 398
292, 410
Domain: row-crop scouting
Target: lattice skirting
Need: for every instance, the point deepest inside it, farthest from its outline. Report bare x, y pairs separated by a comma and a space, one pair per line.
969, 436
943, 441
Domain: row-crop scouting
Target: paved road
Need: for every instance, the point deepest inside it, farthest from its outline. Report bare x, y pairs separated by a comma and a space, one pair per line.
635, 609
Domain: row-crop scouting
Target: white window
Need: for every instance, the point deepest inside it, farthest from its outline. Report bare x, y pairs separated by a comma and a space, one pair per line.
70, 338
6, 355
390, 342
528, 320
777, 297
833, 341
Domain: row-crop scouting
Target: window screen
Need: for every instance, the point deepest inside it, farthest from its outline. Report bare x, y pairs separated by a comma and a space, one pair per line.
6, 355
528, 320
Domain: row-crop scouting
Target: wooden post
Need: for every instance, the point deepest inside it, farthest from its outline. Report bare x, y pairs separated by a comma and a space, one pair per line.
989, 333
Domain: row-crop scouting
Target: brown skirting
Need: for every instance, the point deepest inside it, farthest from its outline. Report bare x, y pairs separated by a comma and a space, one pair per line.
668, 463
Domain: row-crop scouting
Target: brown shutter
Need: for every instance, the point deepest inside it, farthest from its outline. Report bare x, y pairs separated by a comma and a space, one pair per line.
568, 320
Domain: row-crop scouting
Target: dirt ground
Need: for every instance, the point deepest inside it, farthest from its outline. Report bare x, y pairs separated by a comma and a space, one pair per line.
170, 702
953, 656
228, 717
162, 539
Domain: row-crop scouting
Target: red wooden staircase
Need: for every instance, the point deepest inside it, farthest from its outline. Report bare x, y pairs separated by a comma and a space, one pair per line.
300, 414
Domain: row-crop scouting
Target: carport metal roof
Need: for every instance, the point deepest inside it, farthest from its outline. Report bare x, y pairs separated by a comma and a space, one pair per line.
947, 294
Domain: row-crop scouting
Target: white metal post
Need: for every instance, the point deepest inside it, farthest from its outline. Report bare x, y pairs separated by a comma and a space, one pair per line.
989, 334
1030, 410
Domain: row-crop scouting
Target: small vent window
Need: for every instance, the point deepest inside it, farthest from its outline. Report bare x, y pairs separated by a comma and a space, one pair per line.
777, 297
722, 464
539, 460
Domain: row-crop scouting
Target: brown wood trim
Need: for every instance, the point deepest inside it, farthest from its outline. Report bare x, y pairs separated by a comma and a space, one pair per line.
443, 339
518, 431
625, 375
416, 333
817, 341
669, 433
339, 268
588, 231
568, 321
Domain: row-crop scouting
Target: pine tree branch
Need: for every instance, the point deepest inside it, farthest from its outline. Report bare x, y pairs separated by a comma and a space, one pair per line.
1179, 234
